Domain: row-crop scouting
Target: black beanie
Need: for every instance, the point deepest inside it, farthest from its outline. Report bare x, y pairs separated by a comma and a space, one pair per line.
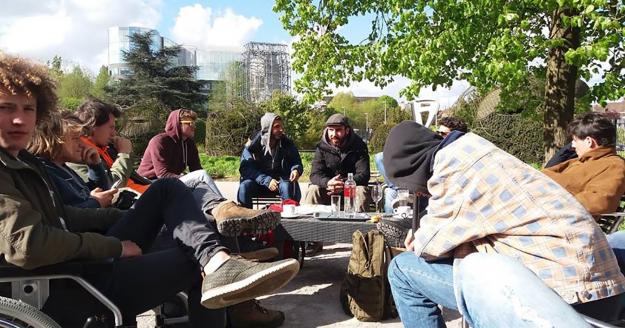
408, 154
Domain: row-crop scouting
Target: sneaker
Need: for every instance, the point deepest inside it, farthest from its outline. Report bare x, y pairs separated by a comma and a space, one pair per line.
251, 314
234, 220
239, 280
394, 230
261, 255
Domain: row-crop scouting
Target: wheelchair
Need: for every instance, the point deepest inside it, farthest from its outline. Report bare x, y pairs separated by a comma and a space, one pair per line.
30, 289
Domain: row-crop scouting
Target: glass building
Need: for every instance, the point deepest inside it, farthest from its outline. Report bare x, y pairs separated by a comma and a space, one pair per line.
119, 41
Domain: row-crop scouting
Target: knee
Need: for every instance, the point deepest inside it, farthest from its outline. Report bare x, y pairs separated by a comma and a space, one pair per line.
394, 268
168, 183
477, 268
247, 185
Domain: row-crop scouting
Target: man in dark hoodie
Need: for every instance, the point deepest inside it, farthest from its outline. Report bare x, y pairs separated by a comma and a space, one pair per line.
170, 153
270, 163
340, 151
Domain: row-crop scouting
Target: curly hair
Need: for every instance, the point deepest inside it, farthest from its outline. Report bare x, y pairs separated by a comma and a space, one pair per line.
22, 76
95, 112
453, 123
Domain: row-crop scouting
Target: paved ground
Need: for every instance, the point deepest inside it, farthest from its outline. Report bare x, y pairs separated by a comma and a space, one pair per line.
312, 298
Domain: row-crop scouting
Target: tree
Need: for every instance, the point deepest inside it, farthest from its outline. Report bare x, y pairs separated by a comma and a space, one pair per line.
491, 44
74, 87
101, 82
155, 77
294, 114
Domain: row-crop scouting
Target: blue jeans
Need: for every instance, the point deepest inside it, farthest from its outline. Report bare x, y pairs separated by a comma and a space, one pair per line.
390, 193
617, 242
508, 296
249, 189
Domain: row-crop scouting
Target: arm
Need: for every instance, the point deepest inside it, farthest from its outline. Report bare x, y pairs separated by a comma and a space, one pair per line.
603, 192
26, 241
157, 149
193, 158
296, 160
249, 169
319, 172
122, 168
81, 219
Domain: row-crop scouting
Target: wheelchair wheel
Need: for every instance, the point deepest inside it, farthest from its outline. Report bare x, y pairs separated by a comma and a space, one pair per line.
16, 314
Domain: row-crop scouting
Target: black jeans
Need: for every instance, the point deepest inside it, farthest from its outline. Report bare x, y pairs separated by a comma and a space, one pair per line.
140, 283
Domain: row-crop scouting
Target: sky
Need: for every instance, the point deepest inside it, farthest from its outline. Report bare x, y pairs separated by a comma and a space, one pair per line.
76, 30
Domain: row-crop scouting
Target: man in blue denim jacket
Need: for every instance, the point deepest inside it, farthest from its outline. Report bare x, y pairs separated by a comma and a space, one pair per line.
270, 162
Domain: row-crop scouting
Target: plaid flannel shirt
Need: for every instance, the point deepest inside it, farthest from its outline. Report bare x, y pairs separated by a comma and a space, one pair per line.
486, 200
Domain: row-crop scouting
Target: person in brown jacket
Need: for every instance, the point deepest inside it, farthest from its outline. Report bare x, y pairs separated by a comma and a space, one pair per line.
597, 176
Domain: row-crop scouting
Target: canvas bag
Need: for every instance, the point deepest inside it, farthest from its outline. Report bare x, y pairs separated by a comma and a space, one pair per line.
365, 291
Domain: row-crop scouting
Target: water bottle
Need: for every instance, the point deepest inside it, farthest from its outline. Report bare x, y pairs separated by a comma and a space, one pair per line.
349, 195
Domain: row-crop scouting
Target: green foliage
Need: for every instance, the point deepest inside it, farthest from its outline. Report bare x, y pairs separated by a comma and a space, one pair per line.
489, 44
156, 79
101, 82
70, 103
378, 139
200, 131
518, 135
228, 127
220, 166
294, 114
312, 135
75, 84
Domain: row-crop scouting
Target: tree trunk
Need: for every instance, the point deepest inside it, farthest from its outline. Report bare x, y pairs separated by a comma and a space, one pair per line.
560, 86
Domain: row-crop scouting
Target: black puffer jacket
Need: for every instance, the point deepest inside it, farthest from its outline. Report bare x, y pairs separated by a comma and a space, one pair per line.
352, 157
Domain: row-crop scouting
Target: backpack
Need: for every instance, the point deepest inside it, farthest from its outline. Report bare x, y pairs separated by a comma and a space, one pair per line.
365, 291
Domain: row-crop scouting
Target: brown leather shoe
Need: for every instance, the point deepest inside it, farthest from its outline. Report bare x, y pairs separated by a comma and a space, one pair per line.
234, 220
251, 314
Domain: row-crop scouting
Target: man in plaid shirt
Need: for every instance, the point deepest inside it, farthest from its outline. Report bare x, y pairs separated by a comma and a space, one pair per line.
484, 200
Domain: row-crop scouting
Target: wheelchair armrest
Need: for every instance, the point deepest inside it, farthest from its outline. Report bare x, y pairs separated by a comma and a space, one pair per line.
74, 268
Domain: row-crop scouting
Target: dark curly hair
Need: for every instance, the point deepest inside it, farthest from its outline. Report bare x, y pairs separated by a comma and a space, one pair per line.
95, 112
22, 76
454, 124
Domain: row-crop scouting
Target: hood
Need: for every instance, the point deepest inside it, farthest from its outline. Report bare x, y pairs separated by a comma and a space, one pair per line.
172, 127
266, 122
408, 155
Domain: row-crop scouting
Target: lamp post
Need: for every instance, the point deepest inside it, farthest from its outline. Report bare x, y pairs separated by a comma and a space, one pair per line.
367, 126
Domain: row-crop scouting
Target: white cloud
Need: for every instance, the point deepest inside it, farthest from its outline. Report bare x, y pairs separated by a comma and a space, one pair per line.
204, 28
73, 29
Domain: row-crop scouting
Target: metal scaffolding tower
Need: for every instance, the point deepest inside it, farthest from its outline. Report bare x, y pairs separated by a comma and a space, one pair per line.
267, 68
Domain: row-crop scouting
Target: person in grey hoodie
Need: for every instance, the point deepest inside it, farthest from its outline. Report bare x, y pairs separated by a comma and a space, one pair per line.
270, 162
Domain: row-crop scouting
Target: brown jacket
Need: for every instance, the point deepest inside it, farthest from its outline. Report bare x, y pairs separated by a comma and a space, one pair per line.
36, 229
596, 179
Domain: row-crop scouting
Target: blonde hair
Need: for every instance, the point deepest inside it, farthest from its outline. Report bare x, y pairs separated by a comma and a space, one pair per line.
49, 137
21, 76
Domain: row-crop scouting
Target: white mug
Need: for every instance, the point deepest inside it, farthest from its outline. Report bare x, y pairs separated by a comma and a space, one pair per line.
403, 211
288, 210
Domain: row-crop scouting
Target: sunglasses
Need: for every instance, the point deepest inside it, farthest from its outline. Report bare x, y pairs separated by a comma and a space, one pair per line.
188, 122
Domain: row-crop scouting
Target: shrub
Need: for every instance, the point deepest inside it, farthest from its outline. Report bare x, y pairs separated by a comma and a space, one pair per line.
519, 136
376, 144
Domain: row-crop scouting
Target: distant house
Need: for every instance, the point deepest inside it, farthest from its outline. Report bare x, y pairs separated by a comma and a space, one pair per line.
611, 107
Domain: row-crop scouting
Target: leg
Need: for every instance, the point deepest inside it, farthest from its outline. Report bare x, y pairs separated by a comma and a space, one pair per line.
290, 190
141, 283
247, 190
419, 287
192, 179
169, 202
390, 195
316, 195
510, 296
617, 242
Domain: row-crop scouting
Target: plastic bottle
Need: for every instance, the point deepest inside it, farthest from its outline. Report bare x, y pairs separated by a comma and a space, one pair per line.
349, 195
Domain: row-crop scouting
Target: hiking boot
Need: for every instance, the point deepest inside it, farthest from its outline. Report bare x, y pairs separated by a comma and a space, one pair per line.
239, 280
234, 220
261, 255
394, 230
251, 314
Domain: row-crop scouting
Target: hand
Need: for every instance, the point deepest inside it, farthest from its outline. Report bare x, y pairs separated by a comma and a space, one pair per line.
104, 198
90, 156
294, 176
409, 242
335, 185
273, 185
130, 249
122, 145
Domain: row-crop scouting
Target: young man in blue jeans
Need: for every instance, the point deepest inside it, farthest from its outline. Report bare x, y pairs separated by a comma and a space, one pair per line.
484, 200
